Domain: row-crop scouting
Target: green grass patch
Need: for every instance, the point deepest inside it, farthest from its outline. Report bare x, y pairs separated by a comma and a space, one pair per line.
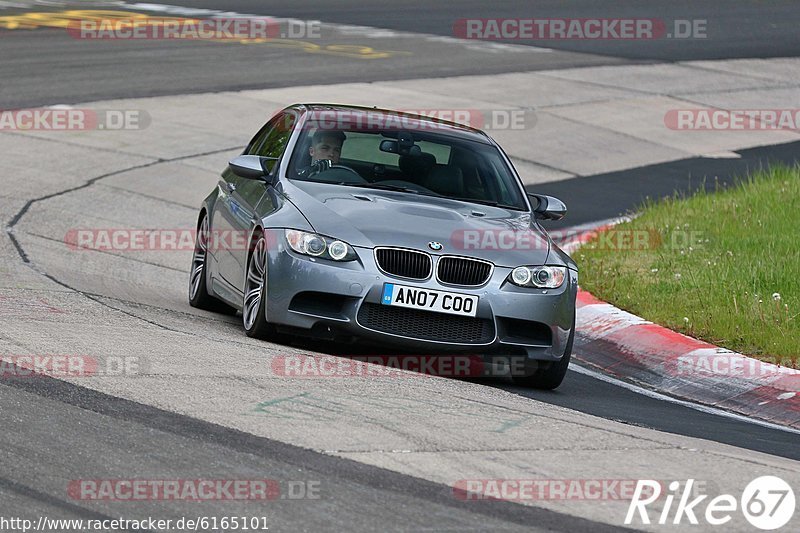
722, 266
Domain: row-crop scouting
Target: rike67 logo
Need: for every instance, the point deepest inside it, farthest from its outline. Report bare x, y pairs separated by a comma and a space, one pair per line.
768, 503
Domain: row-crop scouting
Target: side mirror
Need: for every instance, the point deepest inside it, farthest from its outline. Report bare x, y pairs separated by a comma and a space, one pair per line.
252, 167
548, 207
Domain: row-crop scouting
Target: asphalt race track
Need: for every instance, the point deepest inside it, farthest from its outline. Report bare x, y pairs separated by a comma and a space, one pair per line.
72, 68
365, 454
740, 29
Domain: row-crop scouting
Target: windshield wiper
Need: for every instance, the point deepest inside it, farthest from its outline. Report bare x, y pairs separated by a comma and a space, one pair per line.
486, 202
380, 186
398, 188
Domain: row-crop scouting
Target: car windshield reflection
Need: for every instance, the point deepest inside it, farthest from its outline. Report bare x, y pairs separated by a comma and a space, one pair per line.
422, 163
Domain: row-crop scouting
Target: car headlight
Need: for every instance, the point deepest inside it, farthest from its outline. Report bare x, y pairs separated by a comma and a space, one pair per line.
541, 277
316, 245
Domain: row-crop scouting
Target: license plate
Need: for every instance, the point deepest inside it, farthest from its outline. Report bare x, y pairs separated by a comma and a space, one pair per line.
452, 303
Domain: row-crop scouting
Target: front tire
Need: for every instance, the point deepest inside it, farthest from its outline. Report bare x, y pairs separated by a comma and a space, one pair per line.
198, 289
254, 314
551, 377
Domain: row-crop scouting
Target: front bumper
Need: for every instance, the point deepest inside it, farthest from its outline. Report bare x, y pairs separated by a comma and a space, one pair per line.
341, 300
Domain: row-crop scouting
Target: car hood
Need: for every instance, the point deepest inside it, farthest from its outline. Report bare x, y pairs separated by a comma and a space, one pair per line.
370, 217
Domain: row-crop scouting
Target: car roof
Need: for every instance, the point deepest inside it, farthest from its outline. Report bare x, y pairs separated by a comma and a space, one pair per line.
414, 120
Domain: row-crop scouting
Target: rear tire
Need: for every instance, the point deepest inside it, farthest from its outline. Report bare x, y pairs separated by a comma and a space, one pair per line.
198, 289
254, 314
549, 378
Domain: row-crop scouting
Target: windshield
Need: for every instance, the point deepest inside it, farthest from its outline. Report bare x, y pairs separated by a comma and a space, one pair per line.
414, 162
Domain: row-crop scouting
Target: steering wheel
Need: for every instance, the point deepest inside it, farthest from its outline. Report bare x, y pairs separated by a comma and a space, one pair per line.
341, 173
348, 169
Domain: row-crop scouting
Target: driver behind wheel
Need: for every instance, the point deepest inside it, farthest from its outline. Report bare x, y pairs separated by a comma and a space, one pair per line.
327, 144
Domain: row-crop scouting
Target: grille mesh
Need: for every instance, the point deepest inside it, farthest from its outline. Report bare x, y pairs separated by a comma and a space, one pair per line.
463, 271
426, 325
404, 263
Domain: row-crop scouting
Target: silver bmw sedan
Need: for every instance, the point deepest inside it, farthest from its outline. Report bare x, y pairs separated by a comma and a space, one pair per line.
363, 224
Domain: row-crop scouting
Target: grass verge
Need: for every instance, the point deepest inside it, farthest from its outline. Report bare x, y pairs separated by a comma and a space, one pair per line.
721, 266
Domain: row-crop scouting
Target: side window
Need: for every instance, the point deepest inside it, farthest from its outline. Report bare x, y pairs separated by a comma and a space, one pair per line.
258, 140
271, 141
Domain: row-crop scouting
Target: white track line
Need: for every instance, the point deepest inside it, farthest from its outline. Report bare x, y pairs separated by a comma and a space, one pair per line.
697, 407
